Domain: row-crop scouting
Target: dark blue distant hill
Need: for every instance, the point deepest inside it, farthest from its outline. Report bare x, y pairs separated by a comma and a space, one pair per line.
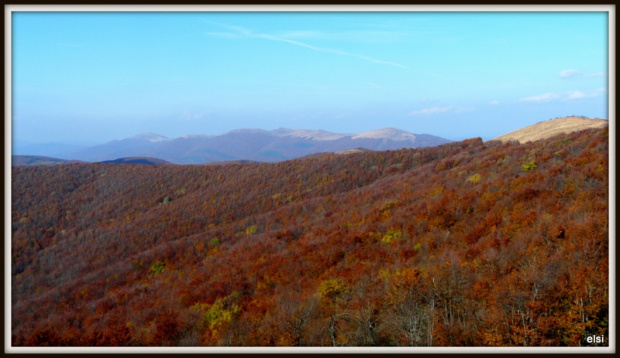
19, 160
137, 160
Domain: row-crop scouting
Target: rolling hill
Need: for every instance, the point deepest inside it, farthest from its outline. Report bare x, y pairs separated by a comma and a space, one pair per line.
550, 128
137, 160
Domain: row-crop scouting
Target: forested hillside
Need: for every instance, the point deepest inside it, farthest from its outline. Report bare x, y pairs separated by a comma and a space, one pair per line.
469, 243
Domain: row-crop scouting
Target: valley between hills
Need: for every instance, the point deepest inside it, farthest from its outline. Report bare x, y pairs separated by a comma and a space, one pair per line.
468, 243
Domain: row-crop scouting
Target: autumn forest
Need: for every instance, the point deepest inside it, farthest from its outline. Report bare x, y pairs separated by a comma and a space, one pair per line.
468, 243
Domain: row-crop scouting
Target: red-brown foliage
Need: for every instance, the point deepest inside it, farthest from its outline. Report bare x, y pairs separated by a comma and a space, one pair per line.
462, 244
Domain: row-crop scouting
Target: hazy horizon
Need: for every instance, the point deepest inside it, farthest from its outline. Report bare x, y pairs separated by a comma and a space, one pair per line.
92, 78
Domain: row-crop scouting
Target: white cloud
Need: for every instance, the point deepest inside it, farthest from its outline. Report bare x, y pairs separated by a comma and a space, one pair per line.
565, 96
579, 94
541, 98
191, 115
432, 110
600, 92
494, 102
570, 73
576, 95
575, 74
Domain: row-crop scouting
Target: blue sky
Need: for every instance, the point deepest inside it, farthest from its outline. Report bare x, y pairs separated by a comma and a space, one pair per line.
94, 77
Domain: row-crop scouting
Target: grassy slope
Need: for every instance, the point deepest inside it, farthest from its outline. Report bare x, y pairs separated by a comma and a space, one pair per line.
552, 127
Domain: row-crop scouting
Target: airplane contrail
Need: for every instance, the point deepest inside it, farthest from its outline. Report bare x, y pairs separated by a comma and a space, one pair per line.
245, 32
327, 50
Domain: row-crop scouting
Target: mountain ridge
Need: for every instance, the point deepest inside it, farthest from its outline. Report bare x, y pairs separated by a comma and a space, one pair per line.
252, 144
151, 137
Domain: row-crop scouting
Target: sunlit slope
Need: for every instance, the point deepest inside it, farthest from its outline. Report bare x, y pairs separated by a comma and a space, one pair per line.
553, 127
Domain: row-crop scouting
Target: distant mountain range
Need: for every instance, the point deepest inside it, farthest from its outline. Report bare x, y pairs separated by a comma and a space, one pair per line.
247, 144
257, 145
